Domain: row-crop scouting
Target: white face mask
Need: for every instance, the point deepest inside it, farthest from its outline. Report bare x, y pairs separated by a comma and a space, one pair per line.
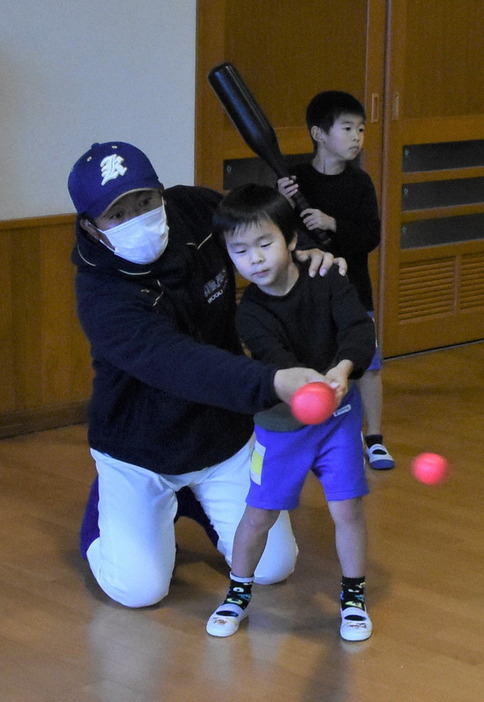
141, 239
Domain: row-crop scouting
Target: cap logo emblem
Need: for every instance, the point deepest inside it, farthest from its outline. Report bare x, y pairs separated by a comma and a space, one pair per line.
112, 167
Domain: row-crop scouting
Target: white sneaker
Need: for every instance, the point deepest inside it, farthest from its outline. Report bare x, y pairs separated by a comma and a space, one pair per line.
225, 621
379, 458
355, 624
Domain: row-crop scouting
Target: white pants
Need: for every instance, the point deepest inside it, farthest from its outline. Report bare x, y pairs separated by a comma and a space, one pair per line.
134, 556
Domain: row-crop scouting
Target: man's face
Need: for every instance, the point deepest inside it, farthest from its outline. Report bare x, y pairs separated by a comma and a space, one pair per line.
129, 206
122, 210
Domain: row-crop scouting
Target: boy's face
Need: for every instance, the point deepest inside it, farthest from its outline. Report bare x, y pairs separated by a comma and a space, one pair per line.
262, 256
344, 140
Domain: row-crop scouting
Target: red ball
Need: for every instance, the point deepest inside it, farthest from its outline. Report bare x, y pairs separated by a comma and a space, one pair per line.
430, 468
313, 403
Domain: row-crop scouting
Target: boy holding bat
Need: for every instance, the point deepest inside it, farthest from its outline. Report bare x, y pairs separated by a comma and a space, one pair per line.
286, 318
344, 205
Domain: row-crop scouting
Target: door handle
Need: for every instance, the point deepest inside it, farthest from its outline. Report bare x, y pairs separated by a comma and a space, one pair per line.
375, 108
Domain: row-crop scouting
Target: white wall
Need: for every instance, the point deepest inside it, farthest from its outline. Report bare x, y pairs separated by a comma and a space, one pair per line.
76, 72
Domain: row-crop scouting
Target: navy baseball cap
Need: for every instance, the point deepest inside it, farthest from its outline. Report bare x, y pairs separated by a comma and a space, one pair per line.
105, 173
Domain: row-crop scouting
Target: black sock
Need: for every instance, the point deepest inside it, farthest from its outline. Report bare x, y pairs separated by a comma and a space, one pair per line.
239, 593
352, 593
372, 439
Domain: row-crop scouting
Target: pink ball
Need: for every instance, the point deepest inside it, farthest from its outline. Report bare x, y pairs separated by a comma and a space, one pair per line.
430, 468
313, 403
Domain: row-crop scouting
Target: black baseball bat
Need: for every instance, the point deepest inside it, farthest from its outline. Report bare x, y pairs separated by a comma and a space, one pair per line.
255, 129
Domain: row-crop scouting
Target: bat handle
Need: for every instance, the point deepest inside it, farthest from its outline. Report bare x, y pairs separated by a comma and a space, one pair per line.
322, 238
300, 201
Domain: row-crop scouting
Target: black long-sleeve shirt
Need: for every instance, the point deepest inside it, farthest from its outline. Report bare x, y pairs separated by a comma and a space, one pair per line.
350, 198
318, 323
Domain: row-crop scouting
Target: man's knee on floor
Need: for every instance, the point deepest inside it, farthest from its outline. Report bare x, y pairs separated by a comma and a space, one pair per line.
142, 587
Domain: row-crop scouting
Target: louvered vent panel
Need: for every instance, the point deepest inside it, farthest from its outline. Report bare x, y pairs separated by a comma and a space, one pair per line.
426, 289
471, 292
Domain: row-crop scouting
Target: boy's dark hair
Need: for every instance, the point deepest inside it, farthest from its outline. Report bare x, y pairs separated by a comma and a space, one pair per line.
252, 204
325, 108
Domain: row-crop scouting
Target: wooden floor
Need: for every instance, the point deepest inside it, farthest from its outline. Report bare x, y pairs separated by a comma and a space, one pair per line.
62, 641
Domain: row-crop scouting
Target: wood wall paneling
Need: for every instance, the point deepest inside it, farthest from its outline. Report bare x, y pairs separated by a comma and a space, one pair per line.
46, 365
7, 384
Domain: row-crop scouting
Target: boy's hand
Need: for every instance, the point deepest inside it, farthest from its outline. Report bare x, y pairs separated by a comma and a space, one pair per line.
287, 186
315, 219
321, 261
288, 380
338, 376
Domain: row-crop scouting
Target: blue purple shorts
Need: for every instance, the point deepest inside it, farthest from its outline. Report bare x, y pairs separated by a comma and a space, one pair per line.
333, 451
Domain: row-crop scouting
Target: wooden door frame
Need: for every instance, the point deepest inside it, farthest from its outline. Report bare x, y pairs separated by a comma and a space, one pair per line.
209, 118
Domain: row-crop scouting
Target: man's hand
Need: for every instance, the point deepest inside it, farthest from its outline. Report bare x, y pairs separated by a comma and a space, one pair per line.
321, 261
288, 380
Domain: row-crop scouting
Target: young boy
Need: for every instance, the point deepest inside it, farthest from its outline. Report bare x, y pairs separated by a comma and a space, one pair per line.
286, 318
344, 204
